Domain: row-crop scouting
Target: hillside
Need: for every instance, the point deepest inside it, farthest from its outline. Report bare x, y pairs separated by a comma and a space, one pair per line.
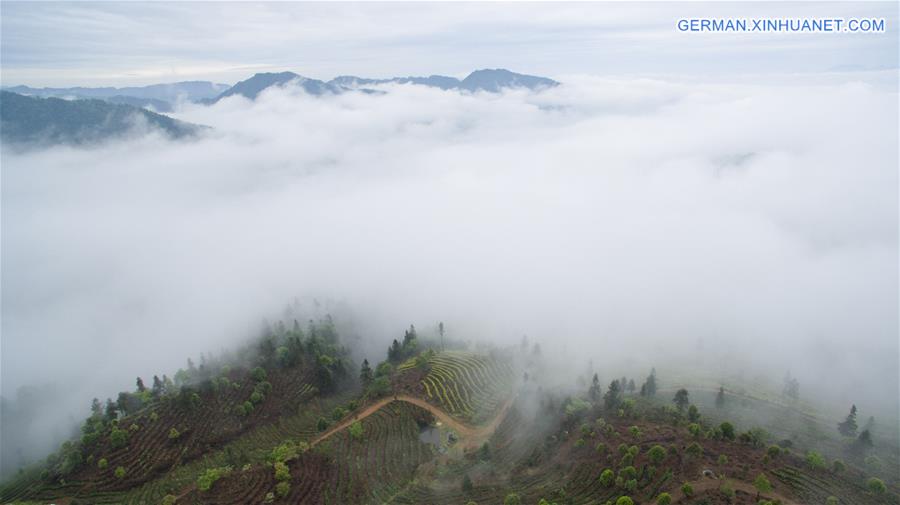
28, 120
287, 419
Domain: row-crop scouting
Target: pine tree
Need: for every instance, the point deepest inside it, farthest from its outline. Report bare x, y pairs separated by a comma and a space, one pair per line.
157, 388
848, 427
681, 399
613, 395
140, 385
394, 351
649, 387
631, 386
594, 391
365, 374
720, 397
441, 332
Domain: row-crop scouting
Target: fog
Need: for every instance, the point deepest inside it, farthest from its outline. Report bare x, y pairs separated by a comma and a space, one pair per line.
636, 222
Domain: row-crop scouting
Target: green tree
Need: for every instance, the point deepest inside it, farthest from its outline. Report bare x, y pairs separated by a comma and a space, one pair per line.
762, 485
687, 489
681, 399
693, 414
613, 395
657, 454
815, 460
102, 463
848, 427
282, 472
322, 424
624, 500
727, 430
282, 488
607, 477
467, 484
174, 434
664, 499
118, 438
876, 486
120, 472
356, 430
365, 374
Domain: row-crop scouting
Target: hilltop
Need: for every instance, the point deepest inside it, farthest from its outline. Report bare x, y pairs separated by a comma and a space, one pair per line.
293, 418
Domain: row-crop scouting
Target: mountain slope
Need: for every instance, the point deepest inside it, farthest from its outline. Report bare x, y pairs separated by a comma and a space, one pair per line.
30, 120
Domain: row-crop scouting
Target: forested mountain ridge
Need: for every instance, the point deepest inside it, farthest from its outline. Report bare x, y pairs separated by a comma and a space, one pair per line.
27, 121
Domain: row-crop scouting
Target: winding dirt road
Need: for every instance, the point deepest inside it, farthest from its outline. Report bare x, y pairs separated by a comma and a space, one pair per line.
470, 436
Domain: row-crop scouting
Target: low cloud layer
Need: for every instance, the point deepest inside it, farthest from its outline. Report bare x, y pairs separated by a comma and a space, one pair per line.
639, 221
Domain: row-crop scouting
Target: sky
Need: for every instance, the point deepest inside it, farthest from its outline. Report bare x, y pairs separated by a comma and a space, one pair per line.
709, 202
137, 43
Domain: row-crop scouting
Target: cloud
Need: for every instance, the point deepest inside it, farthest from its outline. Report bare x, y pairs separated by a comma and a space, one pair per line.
750, 226
52, 44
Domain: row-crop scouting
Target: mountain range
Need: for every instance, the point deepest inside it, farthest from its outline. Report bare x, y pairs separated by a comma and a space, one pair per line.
164, 97
83, 115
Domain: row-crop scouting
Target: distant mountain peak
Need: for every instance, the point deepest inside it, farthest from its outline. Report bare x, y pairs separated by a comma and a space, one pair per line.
487, 80
497, 79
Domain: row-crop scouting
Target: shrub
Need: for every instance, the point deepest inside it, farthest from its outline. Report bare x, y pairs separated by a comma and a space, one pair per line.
635, 432
118, 438
579, 442
259, 374
624, 500
169, 499
664, 498
723, 459
687, 489
831, 500
282, 472
338, 413
657, 453
102, 464
174, 434
120, 472
206, 480
155, 417
356, 430
838, 466
600, 447
694, 450
727, 491
607, 477
727, 430
876, 486
815, 460
282, 489
256, 397
322, 424
512, 499
694, 429
629, 472
773, 451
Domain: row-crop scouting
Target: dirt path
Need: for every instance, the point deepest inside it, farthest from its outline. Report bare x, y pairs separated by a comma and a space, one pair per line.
706, 484
471, 436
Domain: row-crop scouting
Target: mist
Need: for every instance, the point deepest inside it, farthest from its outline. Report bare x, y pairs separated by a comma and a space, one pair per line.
634, 222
